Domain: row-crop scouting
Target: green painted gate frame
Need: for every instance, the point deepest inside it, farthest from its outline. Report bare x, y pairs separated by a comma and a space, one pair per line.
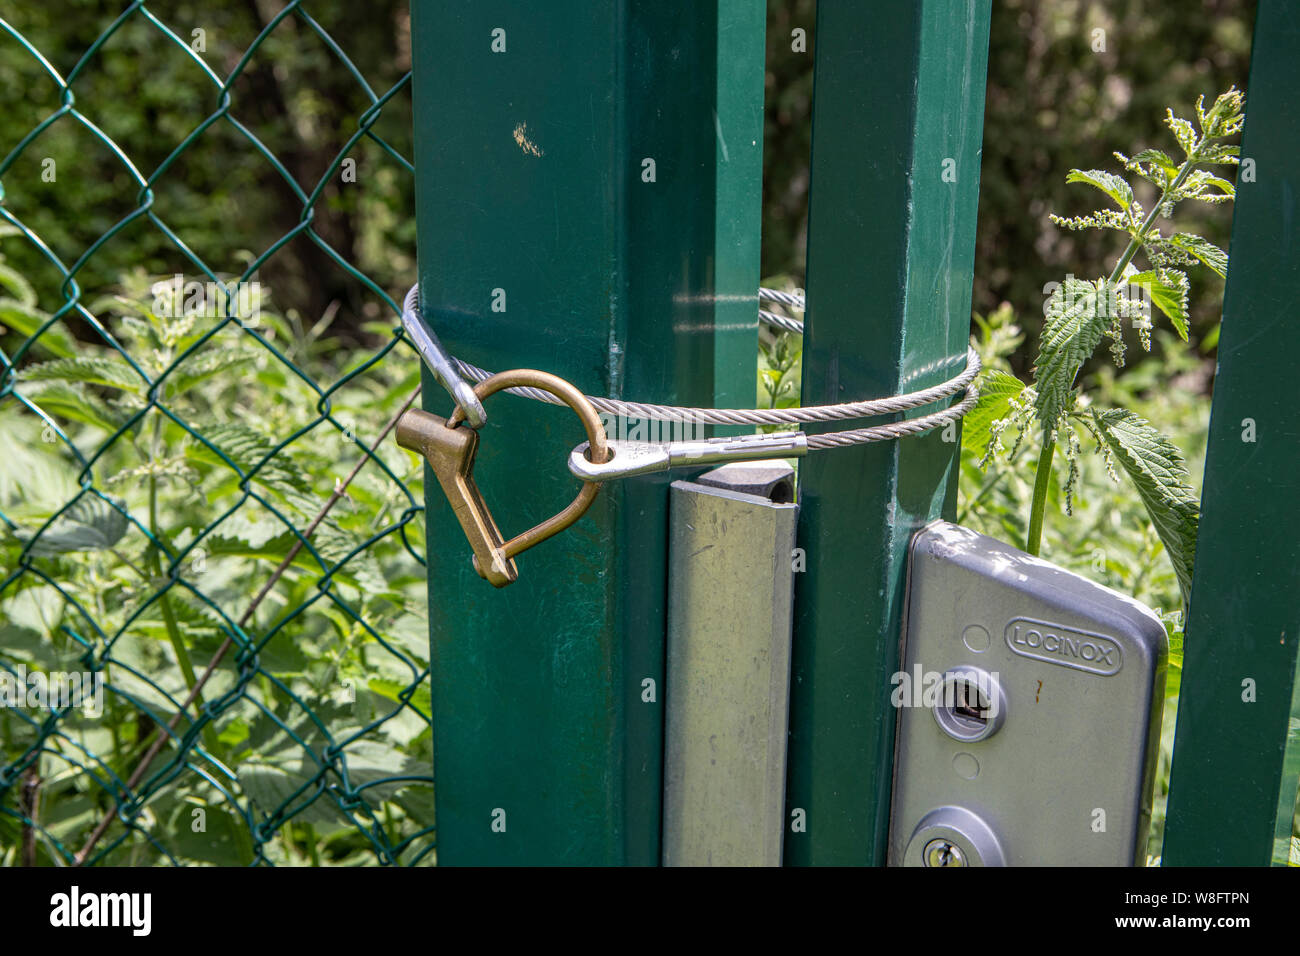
588, 197
1232, 788
588, 189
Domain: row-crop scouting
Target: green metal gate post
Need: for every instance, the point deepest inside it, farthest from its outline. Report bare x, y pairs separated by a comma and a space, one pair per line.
588, 193
1232, 790
897, 121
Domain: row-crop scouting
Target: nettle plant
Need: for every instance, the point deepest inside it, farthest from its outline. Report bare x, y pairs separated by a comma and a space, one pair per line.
1080, 314
331, 684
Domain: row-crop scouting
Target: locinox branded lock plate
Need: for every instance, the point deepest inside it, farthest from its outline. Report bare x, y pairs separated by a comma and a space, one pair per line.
1029, 712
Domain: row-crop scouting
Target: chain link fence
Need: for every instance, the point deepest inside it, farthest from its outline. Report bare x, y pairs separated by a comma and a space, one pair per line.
213, 634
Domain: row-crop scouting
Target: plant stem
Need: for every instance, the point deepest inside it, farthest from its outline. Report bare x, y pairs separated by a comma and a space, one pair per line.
313, 851
169, 617
115, 727
243, 844
1042, 477
1043, 473
1136, 242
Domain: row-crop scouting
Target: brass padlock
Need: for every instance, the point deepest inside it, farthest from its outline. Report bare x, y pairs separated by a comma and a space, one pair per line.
450, 446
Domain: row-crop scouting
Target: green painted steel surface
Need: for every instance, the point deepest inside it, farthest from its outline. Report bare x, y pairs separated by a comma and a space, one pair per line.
1227, 782
531, 180
898, 93
738, 209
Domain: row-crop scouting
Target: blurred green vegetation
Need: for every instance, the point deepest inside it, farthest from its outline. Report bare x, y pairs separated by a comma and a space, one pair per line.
317, 748
168, 506
1052, 104
1050, 99
225, 199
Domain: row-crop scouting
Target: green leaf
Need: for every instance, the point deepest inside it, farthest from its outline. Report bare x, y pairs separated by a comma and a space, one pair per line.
75, 403
106, 370
1202, 185
122, 305
362, 570
92, 524
206, 364
1160, 160
1157, 469
1219, 154
214, 845
271, 787
1071, 333
27, 644
1168, 291
1182, 130
192, 618
286, 778
26, 319
1207, 252
997, 391
421, 698
1229, 188
17, 284
235, 732
1113, 186
247, 448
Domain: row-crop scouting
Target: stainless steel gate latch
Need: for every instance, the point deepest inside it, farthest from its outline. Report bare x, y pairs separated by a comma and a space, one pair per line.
1029, 716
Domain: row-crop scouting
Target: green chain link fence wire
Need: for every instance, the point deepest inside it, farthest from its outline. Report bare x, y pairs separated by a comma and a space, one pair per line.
200, 504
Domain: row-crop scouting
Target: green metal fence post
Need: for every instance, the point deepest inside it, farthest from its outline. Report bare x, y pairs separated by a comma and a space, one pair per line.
897, 121
1231, 792
588, 190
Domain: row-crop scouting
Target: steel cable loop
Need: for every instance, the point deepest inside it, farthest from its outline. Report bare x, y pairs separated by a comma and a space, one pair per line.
782, 322
912, 426
791, 299
868, 408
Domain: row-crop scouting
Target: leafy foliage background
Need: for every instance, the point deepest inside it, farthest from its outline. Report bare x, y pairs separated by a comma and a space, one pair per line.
163, 458
276, 786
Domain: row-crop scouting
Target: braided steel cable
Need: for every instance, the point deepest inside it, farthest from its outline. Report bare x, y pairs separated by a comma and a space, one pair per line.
869, 408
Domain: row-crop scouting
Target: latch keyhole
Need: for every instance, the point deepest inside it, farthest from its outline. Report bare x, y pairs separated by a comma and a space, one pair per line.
971, 705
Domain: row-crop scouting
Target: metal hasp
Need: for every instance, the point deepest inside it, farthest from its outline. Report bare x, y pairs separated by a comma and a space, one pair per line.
1029, 709
451, 449
730, 593
450, 454
893, 198
631, 458
588, 199
1232, 787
